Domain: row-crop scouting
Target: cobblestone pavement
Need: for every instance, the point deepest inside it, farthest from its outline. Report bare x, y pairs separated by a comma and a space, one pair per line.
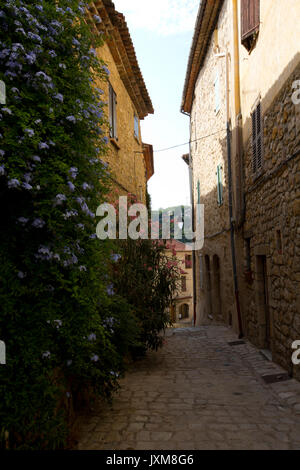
198, 392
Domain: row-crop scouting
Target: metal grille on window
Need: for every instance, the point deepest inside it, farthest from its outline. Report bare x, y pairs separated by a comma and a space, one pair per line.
257, 140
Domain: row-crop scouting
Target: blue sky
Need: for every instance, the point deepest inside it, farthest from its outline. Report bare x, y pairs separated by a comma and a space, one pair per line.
162, 32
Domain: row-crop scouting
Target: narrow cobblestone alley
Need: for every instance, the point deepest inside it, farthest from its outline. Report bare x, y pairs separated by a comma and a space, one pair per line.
198, 392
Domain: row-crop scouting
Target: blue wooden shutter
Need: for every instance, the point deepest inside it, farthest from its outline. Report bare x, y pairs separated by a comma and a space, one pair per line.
198, 192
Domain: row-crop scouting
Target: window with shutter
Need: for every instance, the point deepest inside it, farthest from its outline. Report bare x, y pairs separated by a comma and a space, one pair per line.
188, 262
257, 140
220, 184
113, 113
250, 20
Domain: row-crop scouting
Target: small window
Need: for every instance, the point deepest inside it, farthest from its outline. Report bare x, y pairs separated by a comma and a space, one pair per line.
136, 127
188, 262
220, 184
250, 20
112, 113
217, 94
183, 284
257, 140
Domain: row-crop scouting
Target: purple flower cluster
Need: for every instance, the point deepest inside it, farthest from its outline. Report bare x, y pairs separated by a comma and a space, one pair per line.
23, 220
84, 207
70, 261
92, 337
71, 186
110, 290
13, 183
115, 257
59, 199
69, 214
29, 132
73, 172
38, 223
95, 358
44, 253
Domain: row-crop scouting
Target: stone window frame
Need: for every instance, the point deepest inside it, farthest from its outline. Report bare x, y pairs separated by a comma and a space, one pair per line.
113, 127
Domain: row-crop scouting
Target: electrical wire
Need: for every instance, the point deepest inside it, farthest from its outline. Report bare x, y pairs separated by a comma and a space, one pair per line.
190, 142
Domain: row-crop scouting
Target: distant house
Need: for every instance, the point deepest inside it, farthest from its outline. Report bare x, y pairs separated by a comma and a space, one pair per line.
130, 161
182, 308
243, 70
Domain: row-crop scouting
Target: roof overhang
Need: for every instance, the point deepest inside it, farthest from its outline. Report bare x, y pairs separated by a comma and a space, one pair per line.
207, 18
118, 39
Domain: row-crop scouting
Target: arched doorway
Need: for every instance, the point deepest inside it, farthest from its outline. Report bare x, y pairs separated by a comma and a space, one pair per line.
184, 311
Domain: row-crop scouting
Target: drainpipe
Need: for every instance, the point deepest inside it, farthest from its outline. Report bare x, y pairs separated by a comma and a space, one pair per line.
191, 179
230, 199
238, 115
191, 169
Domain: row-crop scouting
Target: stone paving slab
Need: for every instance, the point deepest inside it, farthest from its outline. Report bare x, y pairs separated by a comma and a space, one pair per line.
198, 392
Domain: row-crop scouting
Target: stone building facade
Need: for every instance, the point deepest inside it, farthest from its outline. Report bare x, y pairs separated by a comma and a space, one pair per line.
248, 272
208, 158
128, 102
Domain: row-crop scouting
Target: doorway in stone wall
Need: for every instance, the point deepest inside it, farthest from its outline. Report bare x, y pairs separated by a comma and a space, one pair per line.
263, 301
184, 312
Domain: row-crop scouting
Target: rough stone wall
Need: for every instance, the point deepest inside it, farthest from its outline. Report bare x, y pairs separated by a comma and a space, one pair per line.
273, 212
126, 162
207, 154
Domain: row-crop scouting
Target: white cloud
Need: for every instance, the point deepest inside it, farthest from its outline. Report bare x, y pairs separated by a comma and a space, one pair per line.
164, 17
